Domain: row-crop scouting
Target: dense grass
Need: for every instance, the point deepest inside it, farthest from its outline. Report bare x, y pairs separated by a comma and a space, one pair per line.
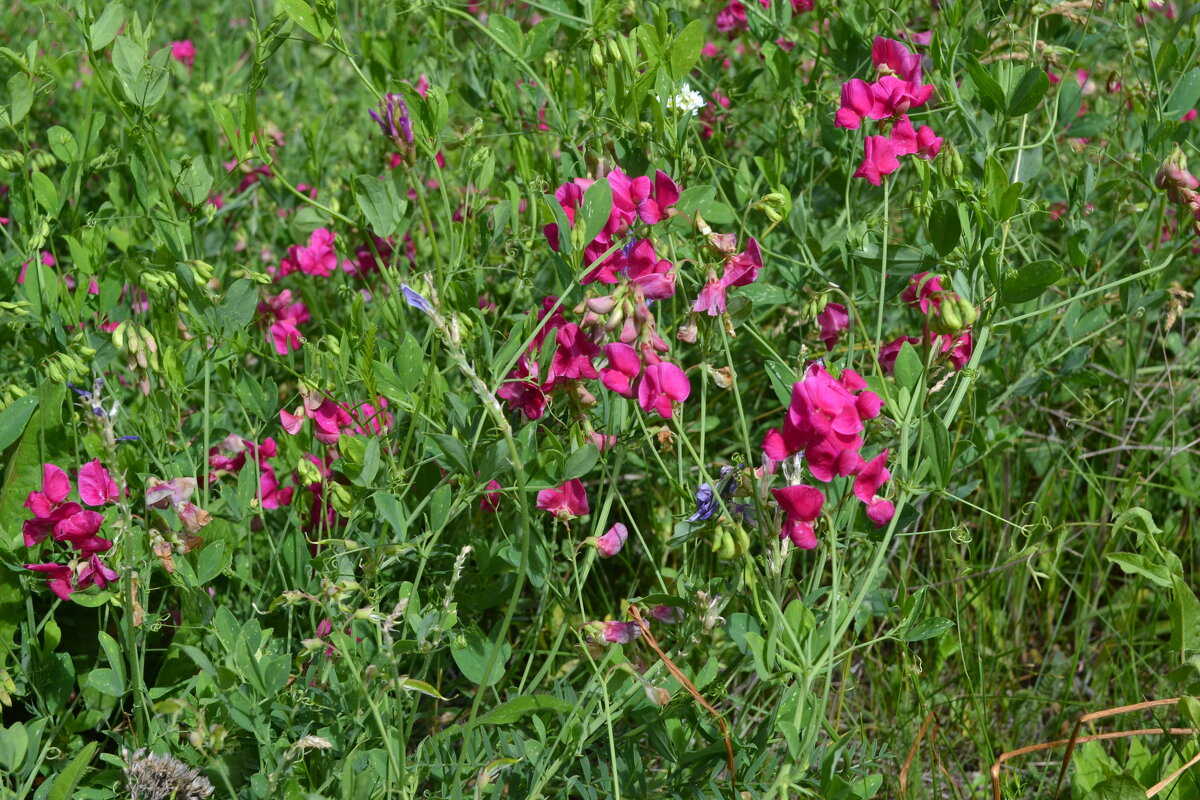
219, 268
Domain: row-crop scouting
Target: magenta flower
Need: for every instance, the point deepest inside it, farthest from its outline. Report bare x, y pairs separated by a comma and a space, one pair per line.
285, 317
668, 615
184, 52
94, 571
893, 57
802, 505
56, 486
490, 502
69, 522
661, 386
96, 486
833, 319
268, 489
711, 299
888, 353
60, 579
858, 103
316, 258
621, 632
611, 542
880, 160
573, 358
923, 290
328, 417
522, 390
624, 365
566, 502
867, 482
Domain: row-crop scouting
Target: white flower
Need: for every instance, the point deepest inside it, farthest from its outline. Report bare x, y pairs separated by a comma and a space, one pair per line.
687, 100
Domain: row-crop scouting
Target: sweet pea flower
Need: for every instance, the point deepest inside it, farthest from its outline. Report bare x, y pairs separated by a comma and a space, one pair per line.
879, 160
328, 417
858, 103
573, 357
317, 258
522, 389
621, 632
566, 502
624, 365
611, 542
668, 615
802, 505
833, 319
661, 386
96, 486
184, 52
490, 502
893, 57
867, 482
60, 578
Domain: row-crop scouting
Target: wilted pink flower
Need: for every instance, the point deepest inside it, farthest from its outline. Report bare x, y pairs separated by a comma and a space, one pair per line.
94, 571
611, 542
184, 52
802, 505
565, 502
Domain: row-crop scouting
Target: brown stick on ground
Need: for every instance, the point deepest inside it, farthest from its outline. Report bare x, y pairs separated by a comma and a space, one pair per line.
691, 689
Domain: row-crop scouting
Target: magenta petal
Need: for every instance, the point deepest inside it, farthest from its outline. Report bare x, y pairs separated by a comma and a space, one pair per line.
881, 512
666, 191
96, 486
55, 484
290, 422
802, 502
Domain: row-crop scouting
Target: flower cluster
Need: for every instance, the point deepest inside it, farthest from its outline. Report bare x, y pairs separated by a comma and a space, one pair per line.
825, 421
948, 321
897, 90
230, 456
329, 419
1180, 186
175, 494
71, 524
732, 17
630, 264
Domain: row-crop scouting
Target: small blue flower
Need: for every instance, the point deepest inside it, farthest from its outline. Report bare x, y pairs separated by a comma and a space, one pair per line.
415, 299
706, 503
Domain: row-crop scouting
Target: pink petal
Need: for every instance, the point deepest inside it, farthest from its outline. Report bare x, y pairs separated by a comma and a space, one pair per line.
96, 486
802, 502
55, 484
291, 422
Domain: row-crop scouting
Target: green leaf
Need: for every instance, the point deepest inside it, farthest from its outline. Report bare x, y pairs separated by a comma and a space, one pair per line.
595, 210
1185, 620
370, 462
128, 58
1183, 98
1028, 92
472, 654
106, 681
581, 461
1089, 125
928, 629
455, 452
908, 366
1029, 282
14, 743
14, 418
987, 88
212, 561
62, 144
511, 711
20, 92
107, 25
192, 180
944, 227
1122, 787
241, 301
685, 50
507, 32
1134, 564
66, 781
303, 15
44, 192
414, 685
380, 204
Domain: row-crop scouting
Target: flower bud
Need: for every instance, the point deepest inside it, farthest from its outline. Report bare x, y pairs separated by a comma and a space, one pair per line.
597, 56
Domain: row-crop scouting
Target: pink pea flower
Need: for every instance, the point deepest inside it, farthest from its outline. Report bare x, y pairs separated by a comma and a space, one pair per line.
522, 389
956, 349
621, 632
56, 486
490, 502
316, 258
94, 571
566, 502
668, 615
833, 319
867, 482
923, 290
802, 505
573, 358
661, 386
328, 417
858, 103
711, 299
891, 56
286, 317
268, 488
96, 486
184, 52
624, 365
611, 542
60, 578
742, 269
880, 160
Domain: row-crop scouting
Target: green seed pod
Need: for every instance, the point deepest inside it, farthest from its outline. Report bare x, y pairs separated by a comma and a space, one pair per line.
967, 311
597, 57
728, 546
945, 319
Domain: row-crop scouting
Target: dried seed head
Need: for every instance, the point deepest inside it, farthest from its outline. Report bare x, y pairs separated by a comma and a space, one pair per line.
149, 776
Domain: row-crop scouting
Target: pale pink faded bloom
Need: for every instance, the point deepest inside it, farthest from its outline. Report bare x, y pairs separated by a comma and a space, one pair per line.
611, 542
711, 299
96, 486
565, 502
668, 615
